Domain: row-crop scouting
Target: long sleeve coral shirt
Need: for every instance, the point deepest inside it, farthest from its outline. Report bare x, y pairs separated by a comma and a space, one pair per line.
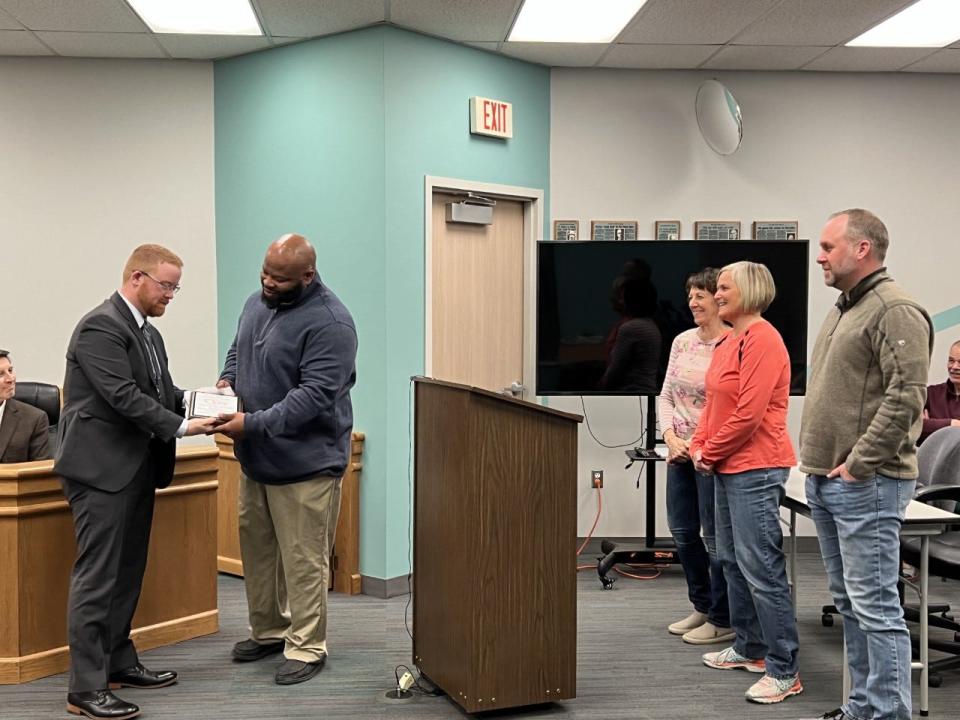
744, 423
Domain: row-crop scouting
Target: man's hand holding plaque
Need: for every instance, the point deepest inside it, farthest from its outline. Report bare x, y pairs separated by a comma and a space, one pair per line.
211, 402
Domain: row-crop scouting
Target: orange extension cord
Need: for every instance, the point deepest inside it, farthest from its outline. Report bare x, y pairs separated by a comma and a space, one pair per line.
656, 568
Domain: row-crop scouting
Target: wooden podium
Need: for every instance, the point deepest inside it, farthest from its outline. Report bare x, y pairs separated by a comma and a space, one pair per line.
495, 530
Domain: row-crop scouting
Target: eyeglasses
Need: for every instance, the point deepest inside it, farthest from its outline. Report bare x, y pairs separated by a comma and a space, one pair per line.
167, 287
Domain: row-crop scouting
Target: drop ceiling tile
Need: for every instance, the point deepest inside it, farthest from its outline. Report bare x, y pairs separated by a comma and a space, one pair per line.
818, 22
210, 47
75, 15
483, 44
658, 56
556, 54
313, 18
456, 19
767, 57
8, 23
692, 22
942, 61
866, 59
103, 45
20, 42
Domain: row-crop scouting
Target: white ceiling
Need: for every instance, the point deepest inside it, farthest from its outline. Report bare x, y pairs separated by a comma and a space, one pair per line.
665, 34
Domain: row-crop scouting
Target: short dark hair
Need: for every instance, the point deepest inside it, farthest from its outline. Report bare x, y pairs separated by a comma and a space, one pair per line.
4, 354
864, 225
705, 279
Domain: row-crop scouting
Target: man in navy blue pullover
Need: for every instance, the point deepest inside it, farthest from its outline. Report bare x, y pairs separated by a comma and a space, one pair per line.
292, 363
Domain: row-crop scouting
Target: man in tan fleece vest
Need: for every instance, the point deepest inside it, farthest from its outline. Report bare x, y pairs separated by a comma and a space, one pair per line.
866, 387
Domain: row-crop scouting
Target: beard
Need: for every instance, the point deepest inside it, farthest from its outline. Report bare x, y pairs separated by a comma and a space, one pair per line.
286, 298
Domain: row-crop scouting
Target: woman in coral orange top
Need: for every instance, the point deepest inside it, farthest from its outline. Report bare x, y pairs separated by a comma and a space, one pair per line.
742, 438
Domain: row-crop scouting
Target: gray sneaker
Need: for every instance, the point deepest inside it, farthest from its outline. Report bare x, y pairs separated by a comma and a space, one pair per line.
837, 714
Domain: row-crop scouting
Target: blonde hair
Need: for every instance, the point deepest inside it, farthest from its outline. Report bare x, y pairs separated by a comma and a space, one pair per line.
147, 258
755, 283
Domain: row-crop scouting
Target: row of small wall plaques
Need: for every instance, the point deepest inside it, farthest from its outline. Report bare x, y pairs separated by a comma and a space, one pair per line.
670, 230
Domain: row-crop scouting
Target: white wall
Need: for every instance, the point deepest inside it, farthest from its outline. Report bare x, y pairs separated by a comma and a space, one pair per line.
99, 156
625, 144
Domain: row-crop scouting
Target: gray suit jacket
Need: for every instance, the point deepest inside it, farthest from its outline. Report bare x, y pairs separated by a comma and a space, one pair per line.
24, 433
113, 418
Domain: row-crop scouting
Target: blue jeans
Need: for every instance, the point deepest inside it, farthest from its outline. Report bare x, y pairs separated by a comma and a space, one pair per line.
858, 524
689, 508
750, 544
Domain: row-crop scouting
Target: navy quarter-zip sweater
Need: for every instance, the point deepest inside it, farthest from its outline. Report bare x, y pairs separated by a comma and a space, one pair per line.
293, 368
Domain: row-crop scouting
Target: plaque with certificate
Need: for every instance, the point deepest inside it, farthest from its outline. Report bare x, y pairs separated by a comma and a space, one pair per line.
566, 229
207, 404
667, 230
776, 230
717, 230
613, 229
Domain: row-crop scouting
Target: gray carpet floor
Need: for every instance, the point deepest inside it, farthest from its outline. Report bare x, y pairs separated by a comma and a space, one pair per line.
628, 665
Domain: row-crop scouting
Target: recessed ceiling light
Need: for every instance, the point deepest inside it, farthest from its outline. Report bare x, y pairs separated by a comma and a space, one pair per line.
928, 23
573, 21
200, 17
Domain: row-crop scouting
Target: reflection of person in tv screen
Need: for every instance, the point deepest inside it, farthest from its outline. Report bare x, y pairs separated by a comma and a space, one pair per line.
633, 344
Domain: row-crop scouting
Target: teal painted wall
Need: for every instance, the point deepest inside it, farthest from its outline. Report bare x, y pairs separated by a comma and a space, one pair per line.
427, 86
333, 138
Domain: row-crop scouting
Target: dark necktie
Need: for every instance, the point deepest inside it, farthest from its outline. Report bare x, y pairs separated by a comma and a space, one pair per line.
154, 361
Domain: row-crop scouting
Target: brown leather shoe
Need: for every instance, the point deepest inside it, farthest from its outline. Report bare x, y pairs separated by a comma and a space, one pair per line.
100, 704
139, 677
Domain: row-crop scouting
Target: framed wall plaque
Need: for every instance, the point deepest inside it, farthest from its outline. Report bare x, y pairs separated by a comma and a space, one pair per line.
566, 229
667, 230
613, 229
717, 230
776, 230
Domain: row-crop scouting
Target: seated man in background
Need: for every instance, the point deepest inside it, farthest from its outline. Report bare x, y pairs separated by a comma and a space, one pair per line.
942, 408
24, 429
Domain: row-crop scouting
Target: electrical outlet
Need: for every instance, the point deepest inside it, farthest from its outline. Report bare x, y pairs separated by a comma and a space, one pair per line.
596, 479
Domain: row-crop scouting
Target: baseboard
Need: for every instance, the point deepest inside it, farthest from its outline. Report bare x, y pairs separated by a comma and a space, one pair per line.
805, 544
384, 588
57, 660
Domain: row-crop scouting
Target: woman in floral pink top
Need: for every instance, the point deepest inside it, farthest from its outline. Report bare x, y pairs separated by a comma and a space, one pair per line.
689, 493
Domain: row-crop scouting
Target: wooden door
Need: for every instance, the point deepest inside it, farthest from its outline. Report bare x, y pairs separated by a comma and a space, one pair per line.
477, 297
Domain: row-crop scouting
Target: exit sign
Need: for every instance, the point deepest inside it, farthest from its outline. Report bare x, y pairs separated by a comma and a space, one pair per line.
491, 117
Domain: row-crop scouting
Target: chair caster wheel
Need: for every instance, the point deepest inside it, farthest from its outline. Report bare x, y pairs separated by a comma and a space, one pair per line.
607, 583
826, 620
935, 680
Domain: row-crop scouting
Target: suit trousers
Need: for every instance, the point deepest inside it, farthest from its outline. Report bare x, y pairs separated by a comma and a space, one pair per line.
286, 537
113, 533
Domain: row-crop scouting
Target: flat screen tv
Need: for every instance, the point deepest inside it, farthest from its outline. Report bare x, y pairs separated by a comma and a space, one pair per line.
587, 292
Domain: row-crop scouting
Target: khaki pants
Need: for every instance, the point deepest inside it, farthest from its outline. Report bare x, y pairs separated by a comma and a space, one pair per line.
286, 536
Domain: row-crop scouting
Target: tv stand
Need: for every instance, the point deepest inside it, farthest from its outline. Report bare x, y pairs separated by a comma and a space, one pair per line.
652, 549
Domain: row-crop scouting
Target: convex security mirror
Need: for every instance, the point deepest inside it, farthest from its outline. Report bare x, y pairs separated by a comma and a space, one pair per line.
718, 116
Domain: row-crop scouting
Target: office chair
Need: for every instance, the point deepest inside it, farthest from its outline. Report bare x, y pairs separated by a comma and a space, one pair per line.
939, 485
42, 396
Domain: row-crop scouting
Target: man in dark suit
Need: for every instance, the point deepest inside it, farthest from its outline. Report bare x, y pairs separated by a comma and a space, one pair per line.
24, 430
117, 439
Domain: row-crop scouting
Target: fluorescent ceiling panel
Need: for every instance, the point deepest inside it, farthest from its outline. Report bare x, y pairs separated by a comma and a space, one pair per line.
573, 21
927, 23
198, 17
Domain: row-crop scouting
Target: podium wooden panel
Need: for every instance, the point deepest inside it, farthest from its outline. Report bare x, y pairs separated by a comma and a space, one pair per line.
37, 549
495, 530
345, 563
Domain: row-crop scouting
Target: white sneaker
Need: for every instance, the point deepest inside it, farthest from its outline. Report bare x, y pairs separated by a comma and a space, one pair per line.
768, 690
708, 634
730, 659
693, 620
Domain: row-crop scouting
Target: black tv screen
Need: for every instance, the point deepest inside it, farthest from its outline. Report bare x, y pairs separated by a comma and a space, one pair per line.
581, 284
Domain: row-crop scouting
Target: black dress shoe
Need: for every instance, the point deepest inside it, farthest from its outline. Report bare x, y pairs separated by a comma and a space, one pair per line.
249, 650
297, 671
100, 704
139, 677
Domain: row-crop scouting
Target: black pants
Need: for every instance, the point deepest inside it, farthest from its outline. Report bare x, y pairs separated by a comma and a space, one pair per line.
113, 532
